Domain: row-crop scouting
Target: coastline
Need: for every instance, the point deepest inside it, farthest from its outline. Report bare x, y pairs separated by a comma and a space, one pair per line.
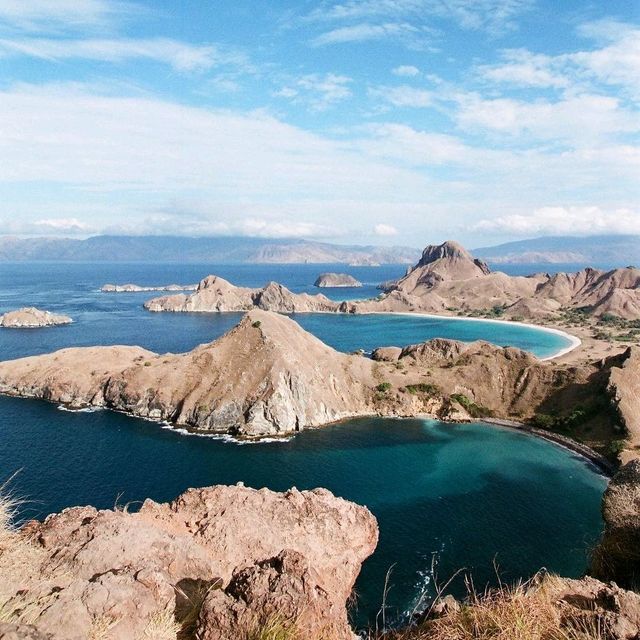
575, 342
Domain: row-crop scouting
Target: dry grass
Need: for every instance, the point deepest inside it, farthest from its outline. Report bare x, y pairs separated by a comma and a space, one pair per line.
162, 625
522, 612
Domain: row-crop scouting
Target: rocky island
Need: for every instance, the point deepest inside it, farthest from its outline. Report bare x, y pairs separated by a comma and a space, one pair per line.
136, 288
336, 280
31, 318
215, 294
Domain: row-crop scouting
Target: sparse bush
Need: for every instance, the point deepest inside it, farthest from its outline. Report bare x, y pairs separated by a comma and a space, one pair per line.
616, 447
473, 409
422, 387
256, 324
383, 387
147, 363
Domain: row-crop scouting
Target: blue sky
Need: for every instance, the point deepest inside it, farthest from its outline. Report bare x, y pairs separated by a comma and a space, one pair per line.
367, 121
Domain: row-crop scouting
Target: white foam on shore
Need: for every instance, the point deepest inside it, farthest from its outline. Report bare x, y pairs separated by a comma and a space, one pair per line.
573, 340
225, 437
62, 407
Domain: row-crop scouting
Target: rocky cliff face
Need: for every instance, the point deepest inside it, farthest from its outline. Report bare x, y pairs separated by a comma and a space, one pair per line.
216, 564
617, 557
30, 318
216, 294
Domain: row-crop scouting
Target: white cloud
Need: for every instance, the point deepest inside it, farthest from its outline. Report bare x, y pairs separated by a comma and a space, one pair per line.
494, 16
523, 68
365, 31
404, 96
318, 91
385, 230
580, 119
36, 15
406, 70
181, 56
558, 220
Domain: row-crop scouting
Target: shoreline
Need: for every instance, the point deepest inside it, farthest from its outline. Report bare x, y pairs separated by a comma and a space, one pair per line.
574, 341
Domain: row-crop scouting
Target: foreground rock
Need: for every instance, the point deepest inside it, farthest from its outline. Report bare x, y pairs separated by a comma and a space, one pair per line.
336, 280
136, 288
216, 564
447, 278
30, 317
216, 294
617, 557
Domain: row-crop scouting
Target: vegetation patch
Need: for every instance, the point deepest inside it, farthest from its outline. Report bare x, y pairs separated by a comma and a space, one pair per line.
473, 409
422, 387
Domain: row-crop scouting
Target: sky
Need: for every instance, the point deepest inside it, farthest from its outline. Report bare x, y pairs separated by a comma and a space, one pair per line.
398, 122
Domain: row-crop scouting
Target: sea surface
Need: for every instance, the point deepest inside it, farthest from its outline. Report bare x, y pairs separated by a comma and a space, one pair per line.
472, 497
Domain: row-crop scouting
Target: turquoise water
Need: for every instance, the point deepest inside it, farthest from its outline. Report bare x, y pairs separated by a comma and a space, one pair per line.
471, 494
102, 318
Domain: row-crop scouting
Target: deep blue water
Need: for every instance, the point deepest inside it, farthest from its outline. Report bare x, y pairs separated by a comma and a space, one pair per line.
468, 493
118, 318
471, 494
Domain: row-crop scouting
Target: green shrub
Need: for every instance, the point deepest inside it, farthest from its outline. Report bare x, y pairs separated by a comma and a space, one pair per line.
616, 447
473, 409
422, 387
383, 387
256, 324
147, 363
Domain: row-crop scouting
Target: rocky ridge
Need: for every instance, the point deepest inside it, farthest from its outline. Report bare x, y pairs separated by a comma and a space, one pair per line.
216, 294
30, 317
447, 278
217, 563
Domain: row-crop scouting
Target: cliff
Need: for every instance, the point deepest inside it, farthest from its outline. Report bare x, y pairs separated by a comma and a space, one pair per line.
216, 294
30, 318
216, 563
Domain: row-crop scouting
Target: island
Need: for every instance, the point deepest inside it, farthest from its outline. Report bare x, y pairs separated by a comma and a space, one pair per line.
336, 280
32, 318
136, 288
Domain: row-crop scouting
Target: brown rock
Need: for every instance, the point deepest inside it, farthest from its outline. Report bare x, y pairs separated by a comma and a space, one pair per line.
133, 573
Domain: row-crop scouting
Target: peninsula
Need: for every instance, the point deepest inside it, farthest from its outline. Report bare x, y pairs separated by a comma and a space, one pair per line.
268, 376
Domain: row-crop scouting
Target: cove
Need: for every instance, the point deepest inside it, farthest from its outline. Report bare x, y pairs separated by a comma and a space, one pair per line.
472, 494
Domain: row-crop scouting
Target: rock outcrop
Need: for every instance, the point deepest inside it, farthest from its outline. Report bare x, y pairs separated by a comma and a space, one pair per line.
329, 280
216, 294
216, 563
30, 318
617, 557
136, 288
448, 278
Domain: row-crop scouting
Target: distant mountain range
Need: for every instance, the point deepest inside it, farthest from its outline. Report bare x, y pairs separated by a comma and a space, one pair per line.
195, 250
592, 250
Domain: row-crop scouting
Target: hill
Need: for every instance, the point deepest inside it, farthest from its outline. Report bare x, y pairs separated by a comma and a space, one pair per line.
593, 250
196, 250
